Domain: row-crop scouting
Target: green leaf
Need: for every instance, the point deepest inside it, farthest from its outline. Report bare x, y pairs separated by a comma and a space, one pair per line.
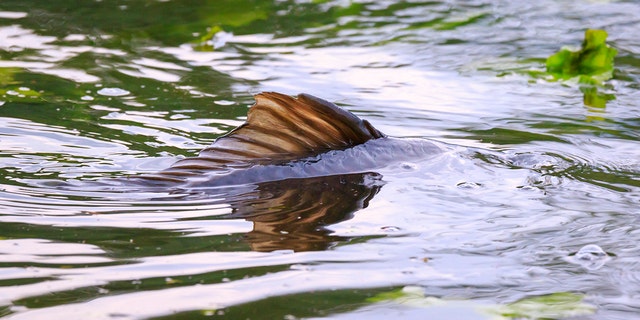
594, 59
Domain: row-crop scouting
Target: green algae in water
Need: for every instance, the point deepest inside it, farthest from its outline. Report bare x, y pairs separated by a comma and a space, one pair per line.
552, 306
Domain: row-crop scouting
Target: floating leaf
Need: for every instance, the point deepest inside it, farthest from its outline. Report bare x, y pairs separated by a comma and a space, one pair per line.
587, 68
593, 62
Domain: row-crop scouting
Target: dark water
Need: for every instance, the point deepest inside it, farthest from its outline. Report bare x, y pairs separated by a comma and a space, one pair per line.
493, 228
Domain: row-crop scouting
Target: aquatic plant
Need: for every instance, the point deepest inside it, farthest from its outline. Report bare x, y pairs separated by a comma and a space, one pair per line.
589, 66
592, 62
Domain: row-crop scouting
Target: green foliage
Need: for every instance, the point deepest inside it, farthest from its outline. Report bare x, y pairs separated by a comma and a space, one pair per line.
589, 66
593, 62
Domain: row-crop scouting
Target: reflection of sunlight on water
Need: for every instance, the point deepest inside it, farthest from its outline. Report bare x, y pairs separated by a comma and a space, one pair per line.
26, 137
336, 73
51, 69
338, 274
164, 130
151, 73
113, 92
43, 248
12, 15
15, 38
465, 226
49, 56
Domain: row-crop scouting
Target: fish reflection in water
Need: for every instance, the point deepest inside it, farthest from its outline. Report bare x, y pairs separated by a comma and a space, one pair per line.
292, 214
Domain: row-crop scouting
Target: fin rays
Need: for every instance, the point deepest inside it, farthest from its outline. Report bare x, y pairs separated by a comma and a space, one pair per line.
280, 128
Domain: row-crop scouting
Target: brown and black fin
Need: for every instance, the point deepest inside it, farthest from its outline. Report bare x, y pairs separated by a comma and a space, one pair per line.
279, 128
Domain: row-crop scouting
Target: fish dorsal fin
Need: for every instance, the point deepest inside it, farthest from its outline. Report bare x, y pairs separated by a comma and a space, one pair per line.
280, 128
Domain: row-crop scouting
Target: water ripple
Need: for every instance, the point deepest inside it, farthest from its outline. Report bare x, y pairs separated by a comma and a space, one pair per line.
111, 89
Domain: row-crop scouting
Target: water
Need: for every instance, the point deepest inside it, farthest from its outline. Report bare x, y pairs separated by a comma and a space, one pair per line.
535, 203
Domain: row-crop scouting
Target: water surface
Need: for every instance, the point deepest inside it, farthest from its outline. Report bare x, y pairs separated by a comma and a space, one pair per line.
532, 172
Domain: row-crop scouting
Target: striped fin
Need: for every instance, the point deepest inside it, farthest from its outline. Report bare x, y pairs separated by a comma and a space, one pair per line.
280, 128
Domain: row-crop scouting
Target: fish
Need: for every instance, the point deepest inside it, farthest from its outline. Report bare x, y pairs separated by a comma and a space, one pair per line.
295, 166
287, 137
